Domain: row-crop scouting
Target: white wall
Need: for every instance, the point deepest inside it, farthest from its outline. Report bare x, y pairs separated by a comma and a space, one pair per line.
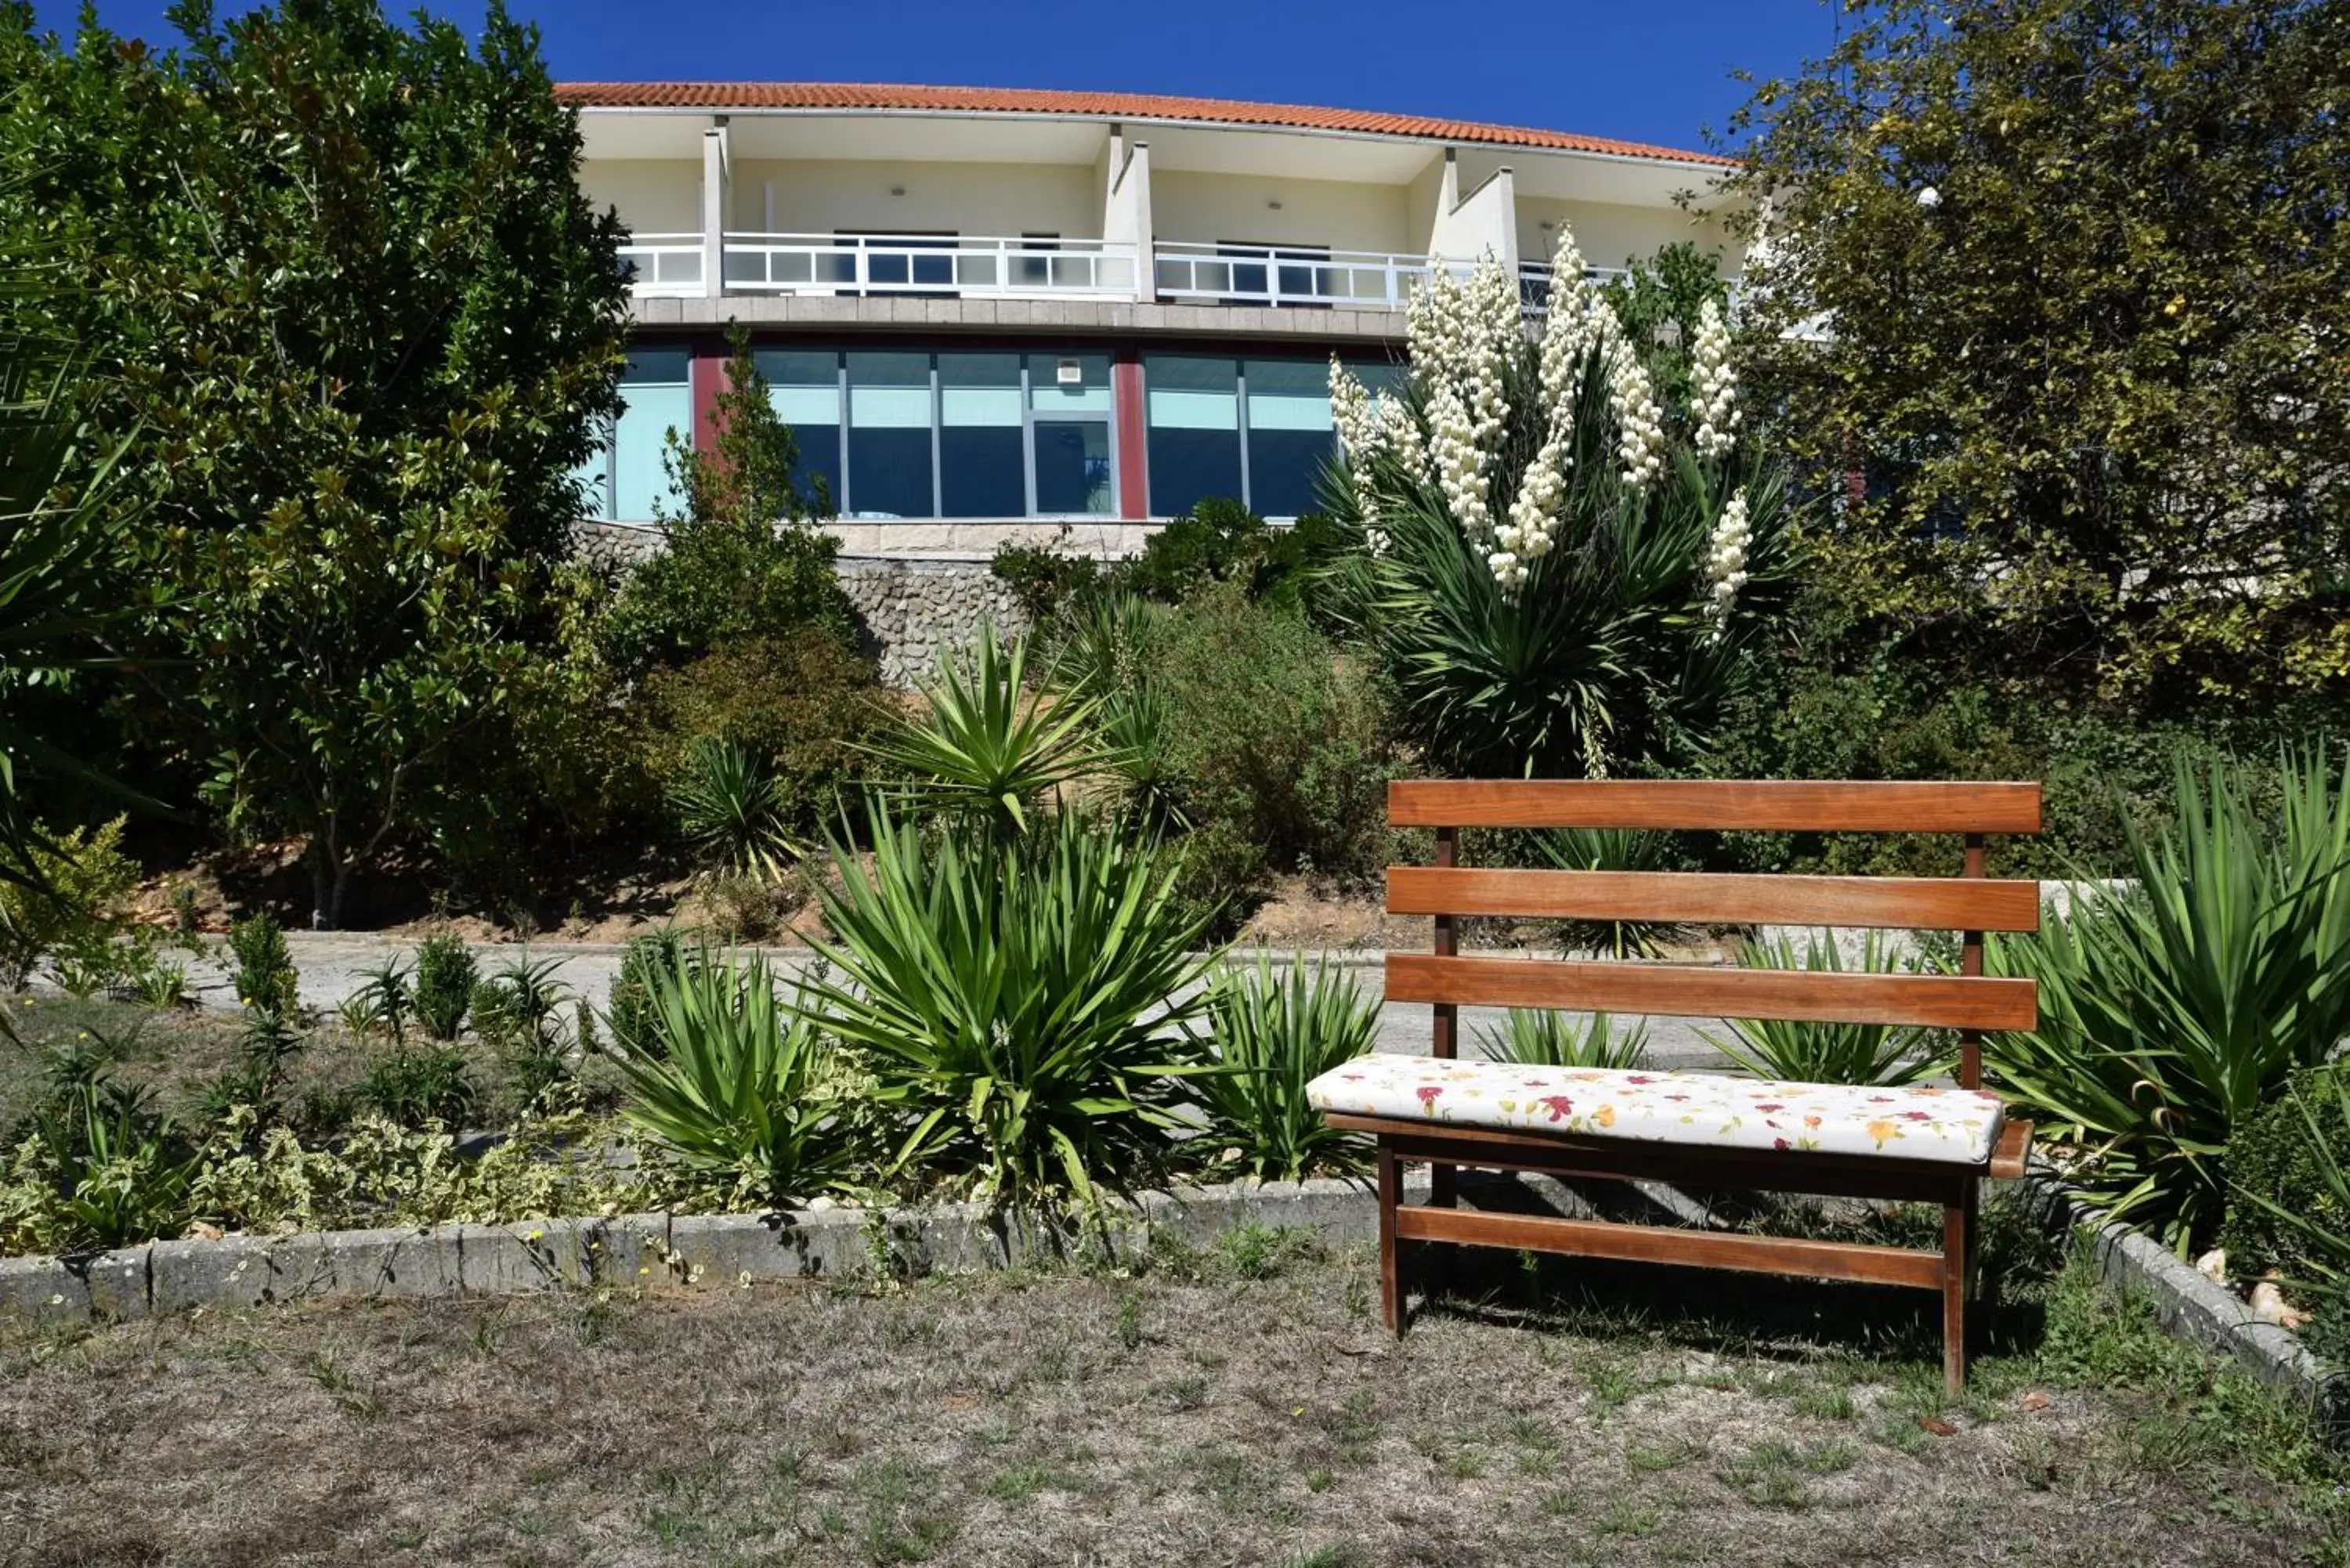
654, 197
980, 199
1608, 235
1345, 216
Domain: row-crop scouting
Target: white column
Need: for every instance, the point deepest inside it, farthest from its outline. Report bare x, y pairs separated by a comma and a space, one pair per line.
713, 209
1126, 207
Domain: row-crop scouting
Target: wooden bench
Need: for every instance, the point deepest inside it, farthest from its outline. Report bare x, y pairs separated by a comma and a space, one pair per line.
1498, 1113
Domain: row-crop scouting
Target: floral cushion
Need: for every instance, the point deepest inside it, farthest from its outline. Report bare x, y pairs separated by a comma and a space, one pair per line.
1718, 1109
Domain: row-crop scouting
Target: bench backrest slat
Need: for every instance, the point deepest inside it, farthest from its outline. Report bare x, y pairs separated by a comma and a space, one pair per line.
1969, 904
1774, 805
1680, 991
1900, 903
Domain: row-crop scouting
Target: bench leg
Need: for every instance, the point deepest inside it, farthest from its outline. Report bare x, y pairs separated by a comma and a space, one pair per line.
1957, 1282
1390, 1269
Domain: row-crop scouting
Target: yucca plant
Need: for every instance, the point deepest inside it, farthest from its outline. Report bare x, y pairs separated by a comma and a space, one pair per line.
1805, 1051
2172, 1010
1028, 1001
381, 1001
1543, 1038
730, 805
1610, 849
1272, 1036
734, 1083
986, 747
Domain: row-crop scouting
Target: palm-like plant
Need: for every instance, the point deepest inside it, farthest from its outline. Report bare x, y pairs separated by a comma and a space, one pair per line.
1105, 660
730, 805
1609, 849
1273, 1037
986, 747
734, 1084
1027, 1001
1563, 578
1543, 1038
1809, 1052
2172, 1010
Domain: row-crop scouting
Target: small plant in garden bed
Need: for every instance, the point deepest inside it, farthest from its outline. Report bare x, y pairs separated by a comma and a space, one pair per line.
443, 987
1806, 1051
1545, 1038
263, 973
1272, 1036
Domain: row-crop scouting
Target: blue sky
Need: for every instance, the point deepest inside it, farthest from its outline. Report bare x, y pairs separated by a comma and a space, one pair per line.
1645, 72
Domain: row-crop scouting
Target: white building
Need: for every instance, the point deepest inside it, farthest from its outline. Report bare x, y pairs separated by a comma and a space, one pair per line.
987, 310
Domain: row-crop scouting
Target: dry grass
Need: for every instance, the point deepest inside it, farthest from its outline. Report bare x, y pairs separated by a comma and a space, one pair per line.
1243, 1409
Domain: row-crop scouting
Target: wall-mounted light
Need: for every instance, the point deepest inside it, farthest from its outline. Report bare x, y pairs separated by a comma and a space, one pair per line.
1069, 373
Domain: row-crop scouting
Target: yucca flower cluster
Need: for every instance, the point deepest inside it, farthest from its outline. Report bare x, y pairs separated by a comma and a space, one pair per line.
1713, 386
1725, 560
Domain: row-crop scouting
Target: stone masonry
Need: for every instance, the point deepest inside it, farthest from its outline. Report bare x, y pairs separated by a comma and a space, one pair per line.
916, 611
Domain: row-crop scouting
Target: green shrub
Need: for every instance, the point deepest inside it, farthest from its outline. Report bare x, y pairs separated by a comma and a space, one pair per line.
1804, 1051
383, 1002
87, 878
443, 988
805, 702
737, 1087
257, 1081
1277, 741
1027, 1001
1045, 581
418, 1085
2287, 1208
1271, 1037
517, 1012
2171, 1013
744, 560
645, 961
263, 973
1541, 1037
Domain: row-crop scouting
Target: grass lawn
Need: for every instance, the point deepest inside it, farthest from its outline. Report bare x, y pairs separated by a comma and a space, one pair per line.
1242, 1408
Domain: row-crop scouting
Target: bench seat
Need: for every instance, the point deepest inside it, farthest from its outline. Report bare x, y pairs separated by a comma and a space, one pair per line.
1709, 1110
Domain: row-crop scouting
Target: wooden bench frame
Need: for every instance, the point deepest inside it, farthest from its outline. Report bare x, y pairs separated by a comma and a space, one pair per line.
1968, 1001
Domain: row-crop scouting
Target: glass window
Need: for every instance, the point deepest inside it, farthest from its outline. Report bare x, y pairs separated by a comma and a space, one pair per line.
1290, 434
804, 388
1073, 469
1193, 416
594, 479
982, 468
889, 436
657, 398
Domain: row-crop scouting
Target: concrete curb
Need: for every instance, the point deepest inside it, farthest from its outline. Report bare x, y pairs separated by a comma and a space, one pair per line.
833, 1242
2191, 1306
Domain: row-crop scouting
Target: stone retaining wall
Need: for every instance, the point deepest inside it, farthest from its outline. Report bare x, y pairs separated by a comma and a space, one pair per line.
916, 610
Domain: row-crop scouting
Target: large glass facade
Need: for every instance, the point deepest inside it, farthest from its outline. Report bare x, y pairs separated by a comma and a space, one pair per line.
950, 434
805, 390
628, 476
1194, 423
1255, 430
982, 454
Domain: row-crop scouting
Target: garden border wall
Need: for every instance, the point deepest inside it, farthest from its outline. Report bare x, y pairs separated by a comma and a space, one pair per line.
837, 1241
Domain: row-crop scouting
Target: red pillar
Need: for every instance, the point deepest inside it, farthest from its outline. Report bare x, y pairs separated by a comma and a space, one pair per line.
1125, 408
707, 379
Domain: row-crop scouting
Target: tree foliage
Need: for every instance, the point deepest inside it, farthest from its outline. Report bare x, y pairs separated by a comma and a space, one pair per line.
2070, 283
344, 284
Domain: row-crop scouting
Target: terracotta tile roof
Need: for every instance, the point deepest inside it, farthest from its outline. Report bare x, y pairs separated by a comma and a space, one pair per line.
1106, 105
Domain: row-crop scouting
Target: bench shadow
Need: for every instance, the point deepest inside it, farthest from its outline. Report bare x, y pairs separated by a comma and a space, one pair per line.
1698, 1308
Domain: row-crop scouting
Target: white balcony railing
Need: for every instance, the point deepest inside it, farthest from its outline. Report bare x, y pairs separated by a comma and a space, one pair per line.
663, 264
979, 268
1278, 276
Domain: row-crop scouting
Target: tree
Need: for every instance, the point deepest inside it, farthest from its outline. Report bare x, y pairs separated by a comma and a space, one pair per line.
1565, 576
742, 557
347, 290
2068, 285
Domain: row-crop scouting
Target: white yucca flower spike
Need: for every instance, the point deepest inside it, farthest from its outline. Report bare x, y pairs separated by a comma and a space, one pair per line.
1713, 386
1725, 565
1639, 424
1571, 329
1460, 463
1360, 430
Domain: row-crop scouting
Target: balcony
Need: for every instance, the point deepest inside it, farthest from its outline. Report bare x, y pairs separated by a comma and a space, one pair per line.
938, 266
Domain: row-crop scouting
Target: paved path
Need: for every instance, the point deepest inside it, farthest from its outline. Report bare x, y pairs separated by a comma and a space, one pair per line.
333, 965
